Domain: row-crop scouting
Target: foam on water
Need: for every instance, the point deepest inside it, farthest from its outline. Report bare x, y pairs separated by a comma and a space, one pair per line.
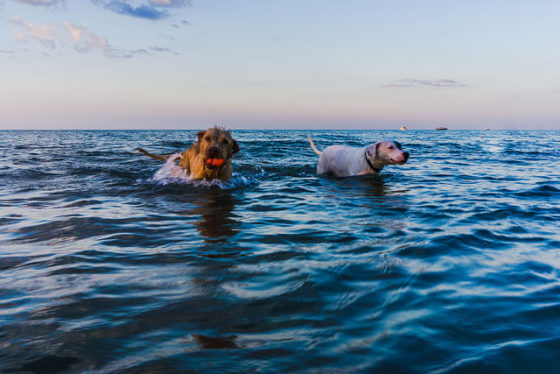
171, 173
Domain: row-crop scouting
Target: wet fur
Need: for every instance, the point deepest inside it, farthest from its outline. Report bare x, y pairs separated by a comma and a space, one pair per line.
345, 161
216, 142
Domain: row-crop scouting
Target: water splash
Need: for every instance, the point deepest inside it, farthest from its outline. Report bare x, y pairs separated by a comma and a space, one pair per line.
171, 173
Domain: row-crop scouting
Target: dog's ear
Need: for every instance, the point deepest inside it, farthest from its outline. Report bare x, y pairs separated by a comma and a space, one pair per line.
399, 146
234, 148
200, 135
376, 149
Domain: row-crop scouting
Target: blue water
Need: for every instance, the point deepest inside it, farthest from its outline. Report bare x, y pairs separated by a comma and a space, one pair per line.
447, 264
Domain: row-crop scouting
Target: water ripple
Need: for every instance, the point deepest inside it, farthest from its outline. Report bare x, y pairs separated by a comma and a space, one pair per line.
113, 262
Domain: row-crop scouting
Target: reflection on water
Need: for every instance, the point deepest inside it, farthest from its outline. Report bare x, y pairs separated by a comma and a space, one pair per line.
208, 342
369, 200
369, 186
217, 221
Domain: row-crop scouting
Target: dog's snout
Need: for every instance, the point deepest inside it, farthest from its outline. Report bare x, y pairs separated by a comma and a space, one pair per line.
213, 151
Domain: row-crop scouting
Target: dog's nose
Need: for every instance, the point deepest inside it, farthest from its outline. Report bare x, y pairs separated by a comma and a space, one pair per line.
405, 154
213, 151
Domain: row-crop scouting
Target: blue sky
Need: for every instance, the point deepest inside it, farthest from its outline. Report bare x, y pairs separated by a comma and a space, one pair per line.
101, 64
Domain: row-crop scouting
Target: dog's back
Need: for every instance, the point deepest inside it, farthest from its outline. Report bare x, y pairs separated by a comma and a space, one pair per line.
340, 160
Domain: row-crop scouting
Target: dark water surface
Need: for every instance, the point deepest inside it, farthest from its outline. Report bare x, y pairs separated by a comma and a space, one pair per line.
449, 263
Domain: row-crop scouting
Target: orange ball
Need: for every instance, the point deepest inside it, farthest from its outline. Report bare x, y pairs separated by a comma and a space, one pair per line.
217, 162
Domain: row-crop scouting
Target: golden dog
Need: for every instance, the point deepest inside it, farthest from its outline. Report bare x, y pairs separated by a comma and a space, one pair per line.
209, 158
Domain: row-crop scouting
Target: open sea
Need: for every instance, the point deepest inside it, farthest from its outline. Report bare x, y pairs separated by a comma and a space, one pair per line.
448, 264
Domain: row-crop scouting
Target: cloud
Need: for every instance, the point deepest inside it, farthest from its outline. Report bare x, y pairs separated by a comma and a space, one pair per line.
46, 34
170, 3
39, 2
18, 35
150, 11
51, 34
415, 83
161, 49
183, 22
142, 11
127, 54
85, 40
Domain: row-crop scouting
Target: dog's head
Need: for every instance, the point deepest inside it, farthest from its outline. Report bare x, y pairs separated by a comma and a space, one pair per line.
216, 146
388, 152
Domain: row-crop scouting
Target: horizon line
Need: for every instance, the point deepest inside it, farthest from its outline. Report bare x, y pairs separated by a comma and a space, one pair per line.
282, 129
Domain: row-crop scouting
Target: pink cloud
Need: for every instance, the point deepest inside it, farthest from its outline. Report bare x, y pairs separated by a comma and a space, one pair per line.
46, 34
50, 34
37, 2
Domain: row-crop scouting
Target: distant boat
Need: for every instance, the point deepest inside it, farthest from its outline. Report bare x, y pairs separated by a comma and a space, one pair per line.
441, 128
403, 127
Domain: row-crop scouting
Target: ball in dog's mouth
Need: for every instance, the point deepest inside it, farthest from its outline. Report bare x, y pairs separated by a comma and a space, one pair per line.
214, 162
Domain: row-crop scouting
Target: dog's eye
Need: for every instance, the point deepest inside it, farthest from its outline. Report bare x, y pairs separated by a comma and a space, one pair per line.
225, 141
208, 138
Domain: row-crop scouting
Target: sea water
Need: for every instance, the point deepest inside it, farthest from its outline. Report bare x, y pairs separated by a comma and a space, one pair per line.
114, 262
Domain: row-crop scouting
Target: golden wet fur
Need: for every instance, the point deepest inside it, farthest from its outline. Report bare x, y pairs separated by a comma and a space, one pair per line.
216, 142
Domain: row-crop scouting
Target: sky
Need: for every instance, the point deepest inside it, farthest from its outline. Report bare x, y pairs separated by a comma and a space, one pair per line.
310, 64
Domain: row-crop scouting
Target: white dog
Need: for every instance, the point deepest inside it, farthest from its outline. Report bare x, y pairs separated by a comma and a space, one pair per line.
345, 161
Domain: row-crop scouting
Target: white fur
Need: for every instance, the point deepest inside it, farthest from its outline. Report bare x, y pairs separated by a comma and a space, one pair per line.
345, 161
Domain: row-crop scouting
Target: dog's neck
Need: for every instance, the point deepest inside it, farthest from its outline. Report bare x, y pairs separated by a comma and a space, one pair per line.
371, 163
222, 173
